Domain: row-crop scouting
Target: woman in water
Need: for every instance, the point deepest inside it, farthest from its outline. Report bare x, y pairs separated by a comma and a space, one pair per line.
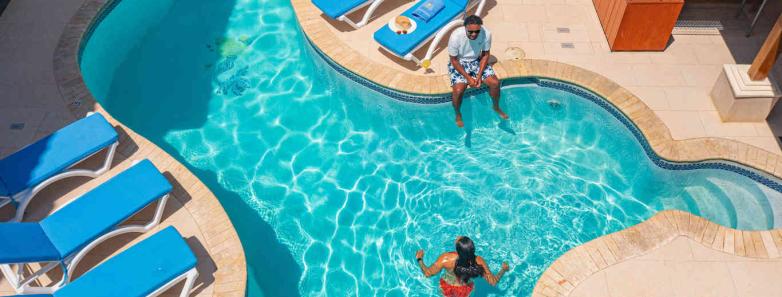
460, 268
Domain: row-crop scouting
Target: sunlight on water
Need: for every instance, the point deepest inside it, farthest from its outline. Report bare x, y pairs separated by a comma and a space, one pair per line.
353, 182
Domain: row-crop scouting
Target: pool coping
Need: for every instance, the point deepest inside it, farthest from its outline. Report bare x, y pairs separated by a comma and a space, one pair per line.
221, 240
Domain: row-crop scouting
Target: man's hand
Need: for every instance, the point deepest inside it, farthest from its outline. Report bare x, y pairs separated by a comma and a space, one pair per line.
479, 80
472, 82
419, 254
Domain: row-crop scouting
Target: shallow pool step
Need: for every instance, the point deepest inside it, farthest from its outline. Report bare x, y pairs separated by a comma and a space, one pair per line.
751, 206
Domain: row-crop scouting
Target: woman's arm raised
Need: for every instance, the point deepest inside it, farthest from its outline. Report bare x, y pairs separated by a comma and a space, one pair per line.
490, 277
435, 268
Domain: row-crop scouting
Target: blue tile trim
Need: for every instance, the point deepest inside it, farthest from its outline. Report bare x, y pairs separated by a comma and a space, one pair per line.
754, 174
102, 13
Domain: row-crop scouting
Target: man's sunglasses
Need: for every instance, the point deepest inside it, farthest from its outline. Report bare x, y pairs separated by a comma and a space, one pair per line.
473, 31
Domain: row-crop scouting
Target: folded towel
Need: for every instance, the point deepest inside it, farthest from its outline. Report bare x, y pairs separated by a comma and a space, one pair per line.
428, 9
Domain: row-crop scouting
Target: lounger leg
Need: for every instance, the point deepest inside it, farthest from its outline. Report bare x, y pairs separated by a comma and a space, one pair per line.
5, 201
369, 13
189, 282
20, 283
189, 276
11, 276
23, 199
479, 11
25, 284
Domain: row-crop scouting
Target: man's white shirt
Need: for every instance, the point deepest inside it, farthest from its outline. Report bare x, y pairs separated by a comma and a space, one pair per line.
467, 50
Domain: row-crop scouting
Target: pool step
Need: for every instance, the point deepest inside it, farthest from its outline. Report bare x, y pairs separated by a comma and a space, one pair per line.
712, 204
749, 204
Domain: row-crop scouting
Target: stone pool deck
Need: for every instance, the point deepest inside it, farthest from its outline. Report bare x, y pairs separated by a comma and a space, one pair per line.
39, 82
666, 94
674, 253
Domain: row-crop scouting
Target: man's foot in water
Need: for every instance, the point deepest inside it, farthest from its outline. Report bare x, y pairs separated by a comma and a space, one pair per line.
501, 113
459, 122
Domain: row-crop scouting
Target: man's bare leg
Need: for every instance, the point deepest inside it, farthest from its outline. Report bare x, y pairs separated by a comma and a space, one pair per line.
456, 100
494, 92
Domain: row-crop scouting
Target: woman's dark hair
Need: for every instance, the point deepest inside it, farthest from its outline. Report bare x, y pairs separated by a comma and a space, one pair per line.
473, 20
466, 266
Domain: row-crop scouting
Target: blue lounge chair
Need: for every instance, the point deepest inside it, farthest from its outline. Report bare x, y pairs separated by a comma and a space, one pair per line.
404, 45
339, 9
148, 268
65, 236
27, 171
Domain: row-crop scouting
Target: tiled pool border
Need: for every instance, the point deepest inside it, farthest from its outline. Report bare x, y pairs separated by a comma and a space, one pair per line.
221, 240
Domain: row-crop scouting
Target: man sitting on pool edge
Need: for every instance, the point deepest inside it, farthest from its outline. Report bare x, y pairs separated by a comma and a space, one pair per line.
468, 48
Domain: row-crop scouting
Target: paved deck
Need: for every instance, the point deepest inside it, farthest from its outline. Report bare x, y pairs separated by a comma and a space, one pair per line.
674, 253
32, 106
674, 83
685, 267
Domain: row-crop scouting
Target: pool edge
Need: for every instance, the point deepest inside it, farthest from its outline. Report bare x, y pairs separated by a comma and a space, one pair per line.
222, 241
416, 88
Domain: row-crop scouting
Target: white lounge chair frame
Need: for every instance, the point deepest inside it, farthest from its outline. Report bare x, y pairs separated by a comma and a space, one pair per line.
22, 283
22, 199
373, 5
437, 37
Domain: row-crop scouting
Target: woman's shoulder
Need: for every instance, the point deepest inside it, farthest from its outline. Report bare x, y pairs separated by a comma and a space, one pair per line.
480, 260
448, 256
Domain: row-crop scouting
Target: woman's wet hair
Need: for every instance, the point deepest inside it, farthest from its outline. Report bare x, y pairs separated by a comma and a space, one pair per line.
466, 265
473, 20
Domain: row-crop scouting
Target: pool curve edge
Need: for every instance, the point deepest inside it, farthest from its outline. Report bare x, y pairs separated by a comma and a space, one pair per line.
222, 242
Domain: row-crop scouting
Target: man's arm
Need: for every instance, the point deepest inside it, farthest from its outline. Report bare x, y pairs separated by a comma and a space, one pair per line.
458, 66
436, 267
484, 61
490, 277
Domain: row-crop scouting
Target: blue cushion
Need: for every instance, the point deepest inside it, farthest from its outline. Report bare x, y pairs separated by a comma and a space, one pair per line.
3, 189
337, 8
36, 295
137, 271
25, 243
52, 154
96, 212
403, 44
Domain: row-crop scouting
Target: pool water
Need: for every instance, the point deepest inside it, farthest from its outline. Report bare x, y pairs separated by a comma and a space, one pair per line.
333, 187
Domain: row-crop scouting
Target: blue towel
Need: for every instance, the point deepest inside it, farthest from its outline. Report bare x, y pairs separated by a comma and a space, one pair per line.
429, 9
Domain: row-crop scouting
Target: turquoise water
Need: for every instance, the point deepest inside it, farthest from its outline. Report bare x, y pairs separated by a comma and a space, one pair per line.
333, 187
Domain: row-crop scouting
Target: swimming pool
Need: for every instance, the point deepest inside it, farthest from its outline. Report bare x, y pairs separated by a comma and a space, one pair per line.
333, 186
